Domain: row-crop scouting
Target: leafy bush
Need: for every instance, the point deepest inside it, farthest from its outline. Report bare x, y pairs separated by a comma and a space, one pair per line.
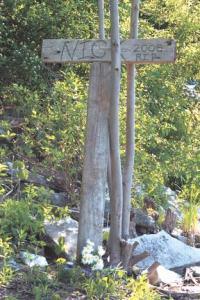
141, 290
21, 221
114, 284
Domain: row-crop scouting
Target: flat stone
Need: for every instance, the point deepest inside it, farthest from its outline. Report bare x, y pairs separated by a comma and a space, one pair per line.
162, 275
168, 277
66, 229
166, 250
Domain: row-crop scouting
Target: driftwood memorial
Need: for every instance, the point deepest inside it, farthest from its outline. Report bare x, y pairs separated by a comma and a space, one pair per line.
98, 52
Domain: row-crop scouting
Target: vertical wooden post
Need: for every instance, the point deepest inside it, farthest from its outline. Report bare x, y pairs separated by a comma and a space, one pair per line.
130, 128
116, 196
96, 158
96, 151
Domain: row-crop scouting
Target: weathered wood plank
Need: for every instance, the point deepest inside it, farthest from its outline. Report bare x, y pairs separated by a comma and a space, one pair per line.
96, 157
137, 51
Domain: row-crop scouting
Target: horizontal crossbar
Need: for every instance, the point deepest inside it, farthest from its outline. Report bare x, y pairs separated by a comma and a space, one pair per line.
138, 51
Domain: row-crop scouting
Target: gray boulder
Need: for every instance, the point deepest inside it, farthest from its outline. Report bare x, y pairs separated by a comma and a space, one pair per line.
172, 201
65, 230
58, 199
33, 260
166, 250
143, 222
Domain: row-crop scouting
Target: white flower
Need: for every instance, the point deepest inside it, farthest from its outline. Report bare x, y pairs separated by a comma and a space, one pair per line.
91, 257
98, 265
96, 258
101, 251
88, 259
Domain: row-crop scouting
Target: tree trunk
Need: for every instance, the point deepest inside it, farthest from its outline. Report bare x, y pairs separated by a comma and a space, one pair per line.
130, 128
116, 196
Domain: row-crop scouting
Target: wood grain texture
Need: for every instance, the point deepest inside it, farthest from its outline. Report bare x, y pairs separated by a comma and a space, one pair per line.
138, 51
96, 158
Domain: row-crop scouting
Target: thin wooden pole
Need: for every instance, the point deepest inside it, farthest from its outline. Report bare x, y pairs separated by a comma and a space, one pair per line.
130, 128
116, 197
101, 19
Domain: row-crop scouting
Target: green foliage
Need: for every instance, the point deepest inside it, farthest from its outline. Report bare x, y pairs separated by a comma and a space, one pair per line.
141, 290
51, 102
114, 284
6, 274
52, 99
104, 287
21, 172
75, 276
42, 285
5, 247
21, 220
190, 209
190, 218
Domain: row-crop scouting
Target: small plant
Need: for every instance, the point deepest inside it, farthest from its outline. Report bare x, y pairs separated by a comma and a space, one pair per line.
6, 274
107, 284
190, 209
74, 276
140, 290
21, 221
91, 257
41, 283
190, 218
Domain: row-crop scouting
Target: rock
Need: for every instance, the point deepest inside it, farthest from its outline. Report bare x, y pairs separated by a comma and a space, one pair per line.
143, 222
178, 234
11, 171
172, 200
33, 260
2, 131
171, 195
31, 178
59, 199
68, 266
196, 271
132, 226
166, 250
136, 271
67, 230
14, 265
75, 213
170, 221
157, 274
37, 179
140, 190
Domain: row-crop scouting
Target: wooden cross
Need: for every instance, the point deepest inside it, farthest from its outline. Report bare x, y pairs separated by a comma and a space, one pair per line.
138, 51
98, 52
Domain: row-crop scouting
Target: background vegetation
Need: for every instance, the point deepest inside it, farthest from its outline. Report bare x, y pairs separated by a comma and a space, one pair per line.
43, 107
52, 99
